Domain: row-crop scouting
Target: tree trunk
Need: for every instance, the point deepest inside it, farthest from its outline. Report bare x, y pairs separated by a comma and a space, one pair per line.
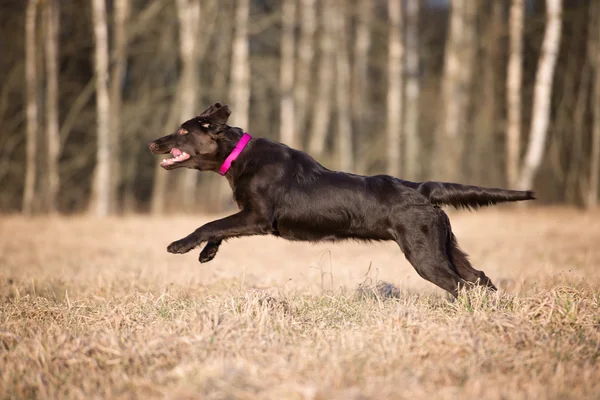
188, 14
159, 185
100, 204
286, 82
542, 95
305, 59
394, 93
51, 25
119, 62
216, 190
592, 192
456, 88
322, 104
579, 129
360, 92
482, 150
239, 90
412, 90
344, 123
32, 106
513, 91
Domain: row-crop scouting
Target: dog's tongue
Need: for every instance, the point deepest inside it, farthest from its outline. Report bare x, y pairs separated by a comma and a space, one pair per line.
176, 152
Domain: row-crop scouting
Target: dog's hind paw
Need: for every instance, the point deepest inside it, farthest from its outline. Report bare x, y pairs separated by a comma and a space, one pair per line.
181, 246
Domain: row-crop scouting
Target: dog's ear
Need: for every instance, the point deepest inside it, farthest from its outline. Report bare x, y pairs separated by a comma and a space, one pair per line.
219, 115
210, 110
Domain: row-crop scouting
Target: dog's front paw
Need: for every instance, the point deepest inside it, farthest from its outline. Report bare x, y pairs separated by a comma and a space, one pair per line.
208, 253
181, 246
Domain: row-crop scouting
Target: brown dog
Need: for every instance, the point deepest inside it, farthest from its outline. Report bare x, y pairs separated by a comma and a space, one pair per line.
286, 193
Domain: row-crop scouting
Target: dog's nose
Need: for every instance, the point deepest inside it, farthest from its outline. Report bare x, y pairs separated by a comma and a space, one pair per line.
152, 146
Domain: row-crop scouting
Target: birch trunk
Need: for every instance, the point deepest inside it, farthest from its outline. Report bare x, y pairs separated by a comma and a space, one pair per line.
51, 24
287, 123
121, 12
32, 106
514, 82
445, 154
101, 193
159, 185
592, 192
362, 46
394, 94
452, 64
188, 14
483, 161
305, 59
579, 129
344, 123
322, 104
412, 91
542, 95
456, 88
239, 91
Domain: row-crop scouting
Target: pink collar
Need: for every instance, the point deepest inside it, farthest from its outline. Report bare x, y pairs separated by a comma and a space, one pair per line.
234, 153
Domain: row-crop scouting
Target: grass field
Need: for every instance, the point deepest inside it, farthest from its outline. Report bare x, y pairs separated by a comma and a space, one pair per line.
98, 309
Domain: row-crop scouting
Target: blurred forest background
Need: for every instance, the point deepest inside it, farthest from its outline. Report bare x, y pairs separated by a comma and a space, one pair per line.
495, 93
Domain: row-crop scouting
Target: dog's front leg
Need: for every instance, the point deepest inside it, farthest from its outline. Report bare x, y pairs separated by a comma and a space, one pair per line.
244, 223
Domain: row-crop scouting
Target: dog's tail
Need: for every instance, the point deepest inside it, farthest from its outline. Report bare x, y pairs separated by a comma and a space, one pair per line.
465, 196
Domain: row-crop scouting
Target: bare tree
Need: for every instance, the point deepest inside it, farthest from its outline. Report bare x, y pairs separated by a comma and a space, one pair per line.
451, 75
32, 106
51, 26
101, 193
168, 36
119, 62
394, 93
412, 91
344, 123
305, 59
592, 189
360, 73
322, 104
474, 60
579, 114
485, 121
542, 95
239, 89
513, 91
456, 84
286, 81
188, 14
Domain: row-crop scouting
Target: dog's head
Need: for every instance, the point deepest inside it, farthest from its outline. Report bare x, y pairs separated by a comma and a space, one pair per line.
196, 143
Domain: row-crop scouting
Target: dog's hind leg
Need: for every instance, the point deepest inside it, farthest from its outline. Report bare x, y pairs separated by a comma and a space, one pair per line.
423, 239
460, 261
209, 251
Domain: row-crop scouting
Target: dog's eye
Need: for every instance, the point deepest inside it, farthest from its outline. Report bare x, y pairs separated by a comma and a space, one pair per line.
206, 126
182, 131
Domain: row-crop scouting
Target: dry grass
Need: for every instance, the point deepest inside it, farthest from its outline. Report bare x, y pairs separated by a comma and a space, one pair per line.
94, 309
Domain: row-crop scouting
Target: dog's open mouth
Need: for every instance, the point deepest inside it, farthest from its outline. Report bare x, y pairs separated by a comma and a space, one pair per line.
178, 156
